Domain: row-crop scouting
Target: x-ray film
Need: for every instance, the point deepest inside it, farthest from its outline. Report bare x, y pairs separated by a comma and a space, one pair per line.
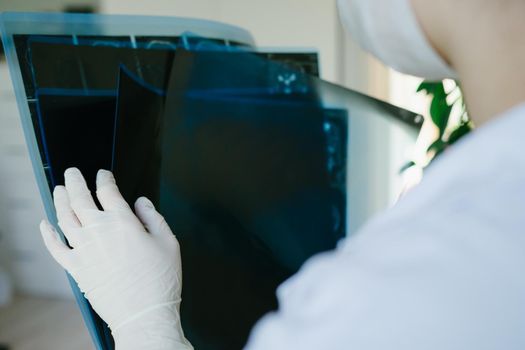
256, 163
81, 91
243, 180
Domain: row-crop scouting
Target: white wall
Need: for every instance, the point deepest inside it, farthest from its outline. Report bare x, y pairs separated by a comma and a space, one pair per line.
289, 23
22, 250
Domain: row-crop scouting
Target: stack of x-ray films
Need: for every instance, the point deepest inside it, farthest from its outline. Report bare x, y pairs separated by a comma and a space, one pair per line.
248, 154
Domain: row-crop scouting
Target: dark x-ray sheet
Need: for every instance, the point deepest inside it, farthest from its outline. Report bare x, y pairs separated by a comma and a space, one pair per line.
245, 154
248, 173
72, 92
103, 106
246, 158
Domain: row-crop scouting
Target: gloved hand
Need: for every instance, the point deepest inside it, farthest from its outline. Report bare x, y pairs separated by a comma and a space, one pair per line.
127, 266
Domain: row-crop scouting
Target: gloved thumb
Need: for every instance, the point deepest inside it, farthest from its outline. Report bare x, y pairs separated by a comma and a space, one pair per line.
151, 218
58, 249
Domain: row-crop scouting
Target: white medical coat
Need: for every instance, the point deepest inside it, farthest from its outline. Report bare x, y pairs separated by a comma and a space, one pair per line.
443, 269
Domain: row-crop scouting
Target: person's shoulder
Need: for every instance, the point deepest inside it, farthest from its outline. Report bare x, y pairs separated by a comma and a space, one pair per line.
472, 197
472, 206
479, 184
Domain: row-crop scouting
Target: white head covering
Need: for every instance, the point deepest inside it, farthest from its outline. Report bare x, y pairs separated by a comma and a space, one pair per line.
389, 30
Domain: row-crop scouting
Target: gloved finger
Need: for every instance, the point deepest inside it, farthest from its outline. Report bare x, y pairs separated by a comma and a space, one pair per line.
79, 194
56, 247
65, 214
108, 193
67, 220
151, 218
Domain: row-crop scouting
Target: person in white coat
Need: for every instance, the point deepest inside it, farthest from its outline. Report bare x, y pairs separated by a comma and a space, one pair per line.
442, 269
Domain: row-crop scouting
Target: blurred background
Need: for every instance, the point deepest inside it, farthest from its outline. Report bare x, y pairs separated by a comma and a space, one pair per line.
37, 310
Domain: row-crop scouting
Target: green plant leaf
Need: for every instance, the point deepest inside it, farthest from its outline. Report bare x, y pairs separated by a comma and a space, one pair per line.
463, 129
439, 109
437, 146
428, 87
440, 112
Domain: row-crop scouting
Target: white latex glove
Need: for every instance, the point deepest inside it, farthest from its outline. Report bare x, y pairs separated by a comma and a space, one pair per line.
128, 268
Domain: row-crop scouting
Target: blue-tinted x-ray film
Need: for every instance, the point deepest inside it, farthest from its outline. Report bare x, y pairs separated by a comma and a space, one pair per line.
246, 158
137, 151
369, 171
254, 158
71, 89
245, 181
59, 108
87, 69
252, 175
77, 110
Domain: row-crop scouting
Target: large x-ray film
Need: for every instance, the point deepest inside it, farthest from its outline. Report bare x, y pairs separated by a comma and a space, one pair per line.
251, 178
65, 71
256, 163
